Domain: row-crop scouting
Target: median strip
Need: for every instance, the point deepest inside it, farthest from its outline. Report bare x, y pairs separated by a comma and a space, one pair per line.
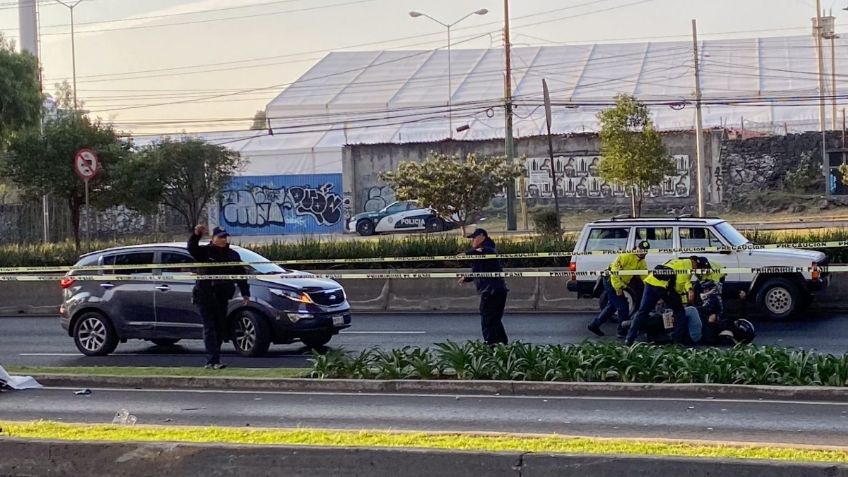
160, 372
46, 430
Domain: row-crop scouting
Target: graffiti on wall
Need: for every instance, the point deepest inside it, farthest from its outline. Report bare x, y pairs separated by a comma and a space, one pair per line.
281, 205
578, 177
378, 197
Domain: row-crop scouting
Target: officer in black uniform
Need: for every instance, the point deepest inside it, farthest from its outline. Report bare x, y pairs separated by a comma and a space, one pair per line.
492, 291
213, 296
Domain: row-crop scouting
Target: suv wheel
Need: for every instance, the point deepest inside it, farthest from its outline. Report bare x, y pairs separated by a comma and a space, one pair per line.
779, 298
250, 334
434, 224
317, 340
365, 228
94, 334
632, 304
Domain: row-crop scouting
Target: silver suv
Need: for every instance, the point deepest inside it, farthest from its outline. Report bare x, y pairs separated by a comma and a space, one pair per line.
99, 314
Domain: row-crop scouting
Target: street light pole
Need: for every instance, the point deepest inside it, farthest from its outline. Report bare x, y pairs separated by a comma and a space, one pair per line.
415, 14
70, 7
509, 145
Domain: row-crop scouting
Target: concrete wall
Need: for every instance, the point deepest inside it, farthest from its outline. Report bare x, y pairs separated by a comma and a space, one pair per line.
126, 459
397, 295
362, 165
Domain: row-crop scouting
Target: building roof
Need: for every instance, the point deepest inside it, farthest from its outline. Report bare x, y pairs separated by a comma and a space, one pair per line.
401, 96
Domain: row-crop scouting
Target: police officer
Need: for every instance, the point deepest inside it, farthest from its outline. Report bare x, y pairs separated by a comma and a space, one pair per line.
668, 282
492, 291
212, 297
615, 284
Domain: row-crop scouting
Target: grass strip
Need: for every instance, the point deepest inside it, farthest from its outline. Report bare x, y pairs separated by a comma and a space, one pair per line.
162, 372
384, 439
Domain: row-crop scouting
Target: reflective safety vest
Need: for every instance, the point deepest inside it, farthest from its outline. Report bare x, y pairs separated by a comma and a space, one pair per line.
681, 281
625, 261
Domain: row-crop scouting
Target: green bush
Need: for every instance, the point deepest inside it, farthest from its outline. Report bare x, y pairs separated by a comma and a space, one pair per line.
546, 222
589, 362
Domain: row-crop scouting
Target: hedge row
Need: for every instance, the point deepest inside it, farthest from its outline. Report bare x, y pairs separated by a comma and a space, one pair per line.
588, 362
398, 246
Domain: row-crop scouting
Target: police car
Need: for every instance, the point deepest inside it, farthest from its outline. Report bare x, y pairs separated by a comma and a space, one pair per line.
403, 216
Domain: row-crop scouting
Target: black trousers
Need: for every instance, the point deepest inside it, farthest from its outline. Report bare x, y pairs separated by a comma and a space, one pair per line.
492, 305
213, 310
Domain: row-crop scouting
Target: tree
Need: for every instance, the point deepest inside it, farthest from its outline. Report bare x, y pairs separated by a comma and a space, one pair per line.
632, 150
450, 186
260, 120
183, 175
20, 93
64, 97
44, 164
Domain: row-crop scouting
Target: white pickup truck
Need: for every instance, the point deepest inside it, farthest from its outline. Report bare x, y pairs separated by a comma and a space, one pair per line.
779, 293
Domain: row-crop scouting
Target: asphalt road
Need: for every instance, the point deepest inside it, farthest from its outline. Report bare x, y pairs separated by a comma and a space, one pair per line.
40, 341
707, 419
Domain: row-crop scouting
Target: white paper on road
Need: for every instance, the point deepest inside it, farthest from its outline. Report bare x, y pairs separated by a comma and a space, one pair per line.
18, 382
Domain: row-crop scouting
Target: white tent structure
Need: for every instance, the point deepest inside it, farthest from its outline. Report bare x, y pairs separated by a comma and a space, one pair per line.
402, 96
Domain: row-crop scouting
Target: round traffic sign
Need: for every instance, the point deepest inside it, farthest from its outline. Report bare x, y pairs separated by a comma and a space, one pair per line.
86, 164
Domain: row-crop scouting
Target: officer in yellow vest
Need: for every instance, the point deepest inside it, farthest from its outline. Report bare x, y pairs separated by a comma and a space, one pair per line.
615, 284
668, 282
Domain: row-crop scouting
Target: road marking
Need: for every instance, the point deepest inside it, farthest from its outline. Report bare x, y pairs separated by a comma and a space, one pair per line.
384, 332
464, 396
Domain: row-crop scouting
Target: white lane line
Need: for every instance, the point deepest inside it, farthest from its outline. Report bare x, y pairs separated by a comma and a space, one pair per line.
454, 396
384, 332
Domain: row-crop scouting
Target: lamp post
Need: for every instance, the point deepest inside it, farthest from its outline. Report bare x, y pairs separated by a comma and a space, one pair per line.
70, 7
415, 14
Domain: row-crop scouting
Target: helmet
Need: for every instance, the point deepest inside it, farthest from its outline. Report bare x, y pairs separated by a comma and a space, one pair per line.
743, 331
643, 245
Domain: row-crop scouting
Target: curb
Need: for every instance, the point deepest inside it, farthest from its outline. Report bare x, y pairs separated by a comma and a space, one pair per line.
499, 388
126, 459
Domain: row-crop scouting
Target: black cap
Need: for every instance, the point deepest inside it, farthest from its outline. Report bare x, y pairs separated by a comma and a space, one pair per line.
218, 232
702, 262
643, 245
477, 233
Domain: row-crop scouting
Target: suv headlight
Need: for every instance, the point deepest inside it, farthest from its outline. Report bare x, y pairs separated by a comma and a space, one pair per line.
298, 297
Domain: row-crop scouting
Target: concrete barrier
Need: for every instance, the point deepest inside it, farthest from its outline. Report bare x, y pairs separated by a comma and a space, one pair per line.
414, 295
83, 459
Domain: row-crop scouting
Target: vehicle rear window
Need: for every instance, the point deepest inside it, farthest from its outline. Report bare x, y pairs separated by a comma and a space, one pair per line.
612, 238
658, 237
89, 261
132, 258
691, 237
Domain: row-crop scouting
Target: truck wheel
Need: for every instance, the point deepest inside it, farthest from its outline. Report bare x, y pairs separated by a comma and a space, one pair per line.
94, 334
434, 224
778, 298
251, 336
365, 228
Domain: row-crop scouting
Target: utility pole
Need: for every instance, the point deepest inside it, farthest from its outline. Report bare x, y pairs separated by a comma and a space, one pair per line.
699, 125
832, 36
818, 31
509, 147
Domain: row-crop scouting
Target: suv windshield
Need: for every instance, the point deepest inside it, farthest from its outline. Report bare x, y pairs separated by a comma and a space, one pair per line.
731, 234
266, 268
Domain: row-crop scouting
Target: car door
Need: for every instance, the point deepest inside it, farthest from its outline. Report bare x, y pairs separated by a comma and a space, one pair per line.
129, 303
703, 236
387, 222
413, 218
660, 237
176, 315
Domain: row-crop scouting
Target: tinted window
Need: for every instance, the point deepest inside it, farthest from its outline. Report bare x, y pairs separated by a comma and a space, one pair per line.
659, 237
259, 263
89, 261
135, 258
607, 239
176, 257
698, 237
395, 208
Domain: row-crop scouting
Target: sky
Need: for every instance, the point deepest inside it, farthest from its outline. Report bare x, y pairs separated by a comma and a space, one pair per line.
164, 66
